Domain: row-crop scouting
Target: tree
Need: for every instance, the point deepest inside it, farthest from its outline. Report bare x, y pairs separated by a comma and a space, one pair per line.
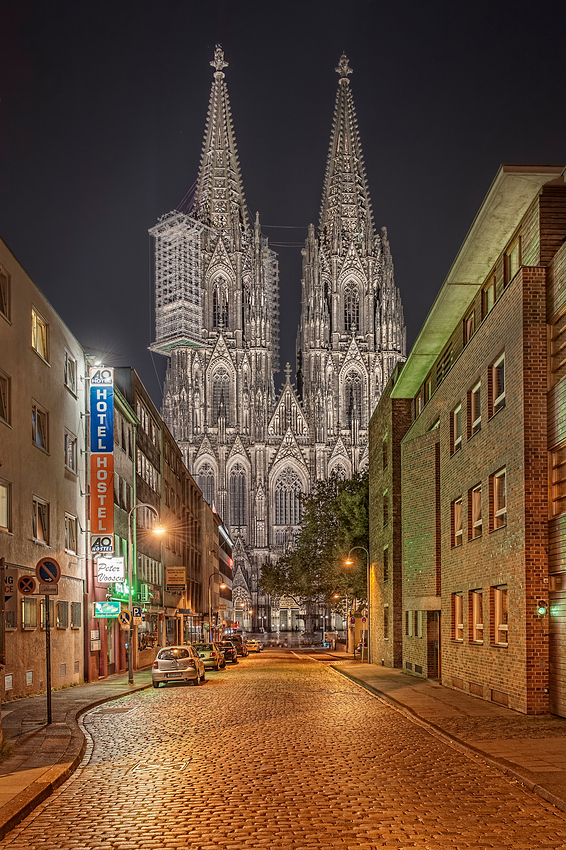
336, 518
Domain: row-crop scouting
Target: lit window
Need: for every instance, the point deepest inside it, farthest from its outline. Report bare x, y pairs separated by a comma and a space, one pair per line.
4, 292
457, 617
418, 404
70, 533
500, 615
76, 616
558, 480
29, 613
469, 326
4, 506
474, 512
5, 386
40, 520
456, 429
499, 499
476, 616
474, 410
512, 261
70, 373
70, 442
39, 433
457, 522
498, 385
488, 297
62, 620
39, 334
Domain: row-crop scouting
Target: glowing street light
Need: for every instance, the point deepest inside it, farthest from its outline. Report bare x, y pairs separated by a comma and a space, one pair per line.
349, 562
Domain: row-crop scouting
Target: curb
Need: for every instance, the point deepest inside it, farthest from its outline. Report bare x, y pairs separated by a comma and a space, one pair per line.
12, 813
456, 743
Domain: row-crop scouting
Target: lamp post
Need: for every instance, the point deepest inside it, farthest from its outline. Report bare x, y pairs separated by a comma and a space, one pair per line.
130, 579
221, 584
350, 561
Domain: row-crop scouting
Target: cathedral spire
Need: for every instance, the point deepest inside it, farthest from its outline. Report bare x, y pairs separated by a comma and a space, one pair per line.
346, 208
219, 199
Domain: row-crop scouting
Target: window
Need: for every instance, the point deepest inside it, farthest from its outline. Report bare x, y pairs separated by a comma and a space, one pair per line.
29, 613
474, 410
147, 471
499, 483
353, 399
418, 404
51, 613
220, 304
5, 506
443, 366
457, 617
558, 481
474, 513
70, 373
456, 522
417, 623
558, 348
497, 389
512, 261
40, 520
288, 492
384, 453
386, 564
351, 308
70, 533
428, 385
39, 334
39, 422
70, 442
4, 292
385, 508
5, 388
409, 623
500, 616
476, 616
456, 429
11, 619
386, 622
238, 492
469, 326
62, 619
220, 394
75, 615
488, 296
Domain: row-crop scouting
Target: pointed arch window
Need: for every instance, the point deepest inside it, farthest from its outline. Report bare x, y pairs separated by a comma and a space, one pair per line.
353, 399
205, 480
339, 472
238, 491
220, 304
351, 308
220, 394
288, 492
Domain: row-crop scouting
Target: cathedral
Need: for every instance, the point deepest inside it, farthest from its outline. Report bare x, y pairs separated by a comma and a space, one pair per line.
252, 451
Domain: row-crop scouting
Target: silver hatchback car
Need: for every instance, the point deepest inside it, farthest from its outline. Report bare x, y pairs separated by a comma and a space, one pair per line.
177, 664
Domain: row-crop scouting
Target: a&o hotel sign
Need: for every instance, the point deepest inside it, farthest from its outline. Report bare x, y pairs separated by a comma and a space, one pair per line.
101, 459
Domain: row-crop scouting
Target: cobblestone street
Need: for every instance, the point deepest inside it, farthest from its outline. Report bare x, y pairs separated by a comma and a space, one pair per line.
281, 752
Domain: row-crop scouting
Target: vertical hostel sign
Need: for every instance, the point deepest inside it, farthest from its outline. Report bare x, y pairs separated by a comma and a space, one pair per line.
101, 459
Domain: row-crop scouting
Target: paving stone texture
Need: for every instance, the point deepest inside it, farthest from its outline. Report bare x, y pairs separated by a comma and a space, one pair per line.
279, 752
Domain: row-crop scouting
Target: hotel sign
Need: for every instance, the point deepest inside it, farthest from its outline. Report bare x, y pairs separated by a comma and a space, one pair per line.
101, 459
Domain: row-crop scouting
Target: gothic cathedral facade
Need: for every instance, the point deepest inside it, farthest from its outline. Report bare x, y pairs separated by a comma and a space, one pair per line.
254, 452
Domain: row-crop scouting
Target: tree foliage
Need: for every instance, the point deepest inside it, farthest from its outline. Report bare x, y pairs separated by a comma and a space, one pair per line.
335, 519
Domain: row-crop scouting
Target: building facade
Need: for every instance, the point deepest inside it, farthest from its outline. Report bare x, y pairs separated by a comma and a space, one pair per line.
42, 484
254, 452
479, 484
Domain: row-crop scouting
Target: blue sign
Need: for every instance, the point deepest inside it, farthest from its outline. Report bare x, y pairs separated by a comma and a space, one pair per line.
48, 571
101, 410
136, 611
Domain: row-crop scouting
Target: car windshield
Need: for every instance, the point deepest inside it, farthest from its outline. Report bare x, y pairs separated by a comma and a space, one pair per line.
174, 654
203, 647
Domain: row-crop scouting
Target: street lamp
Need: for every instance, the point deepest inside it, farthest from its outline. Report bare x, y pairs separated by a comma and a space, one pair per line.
350, 561
222, 585
157, 530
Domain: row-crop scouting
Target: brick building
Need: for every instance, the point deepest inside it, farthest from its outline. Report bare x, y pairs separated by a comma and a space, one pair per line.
475, 488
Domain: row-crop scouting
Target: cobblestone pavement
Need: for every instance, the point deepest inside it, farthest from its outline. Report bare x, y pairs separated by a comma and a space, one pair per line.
278, 752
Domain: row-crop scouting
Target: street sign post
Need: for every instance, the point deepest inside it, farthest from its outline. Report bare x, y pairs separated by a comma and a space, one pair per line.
136, 615
27, 585
125, 619
48, 573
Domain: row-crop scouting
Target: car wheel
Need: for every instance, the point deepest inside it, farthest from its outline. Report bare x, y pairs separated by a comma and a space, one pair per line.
203, 677
196, 682
155, 684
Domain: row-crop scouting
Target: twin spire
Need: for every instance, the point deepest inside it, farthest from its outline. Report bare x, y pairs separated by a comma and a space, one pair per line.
219, 199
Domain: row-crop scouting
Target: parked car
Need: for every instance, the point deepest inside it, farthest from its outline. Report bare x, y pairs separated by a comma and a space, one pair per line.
240, 643
211, 655
253, 645
177, 664
229, 650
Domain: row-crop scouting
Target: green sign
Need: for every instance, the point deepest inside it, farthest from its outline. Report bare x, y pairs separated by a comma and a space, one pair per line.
107, 609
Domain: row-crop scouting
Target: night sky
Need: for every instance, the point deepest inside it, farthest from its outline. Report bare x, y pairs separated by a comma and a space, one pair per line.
102, 115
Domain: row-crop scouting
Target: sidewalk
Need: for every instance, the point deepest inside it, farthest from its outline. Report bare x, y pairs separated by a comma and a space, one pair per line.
45, 756
530, 749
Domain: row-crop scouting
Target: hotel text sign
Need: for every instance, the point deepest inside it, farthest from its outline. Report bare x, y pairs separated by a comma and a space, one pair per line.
101, 459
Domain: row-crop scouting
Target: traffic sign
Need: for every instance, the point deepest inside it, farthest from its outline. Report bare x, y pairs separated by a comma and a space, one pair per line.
124, 618
136, 615
48, 571
26, 585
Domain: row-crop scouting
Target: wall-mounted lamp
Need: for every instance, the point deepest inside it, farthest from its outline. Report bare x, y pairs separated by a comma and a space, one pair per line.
542, 609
